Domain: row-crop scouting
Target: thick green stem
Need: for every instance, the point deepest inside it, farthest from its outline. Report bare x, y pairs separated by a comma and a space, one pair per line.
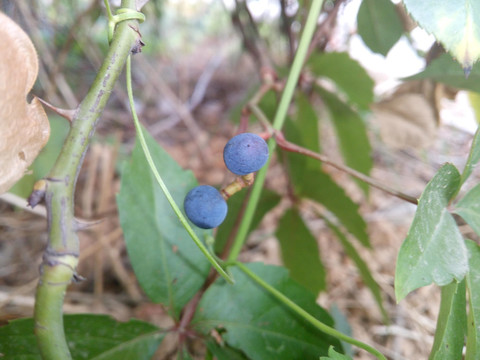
278, 122
305, 315
61, 256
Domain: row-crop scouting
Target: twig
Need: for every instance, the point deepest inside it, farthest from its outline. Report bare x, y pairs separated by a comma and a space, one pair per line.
22, 203
199, 136
325, 29
47, 59
202, 84
195, 99
288, 146
250, 34
65, 50
286, 27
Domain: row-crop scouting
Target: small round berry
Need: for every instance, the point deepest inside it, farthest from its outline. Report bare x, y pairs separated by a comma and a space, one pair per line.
245, 153
205, 206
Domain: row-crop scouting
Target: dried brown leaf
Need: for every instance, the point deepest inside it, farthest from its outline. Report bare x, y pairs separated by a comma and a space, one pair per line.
24, 127
406, 121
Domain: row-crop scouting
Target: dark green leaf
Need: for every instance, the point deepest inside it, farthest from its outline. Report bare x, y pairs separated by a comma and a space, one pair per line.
453, 23
306, 122
350, 77
318, 186
379, 25
473, 156
451, 323
333, 355
434, 250
268, 200
93, 337
362, 268
300, 252
469, 208
473, 288
352, 135
184, 354
445, 70
166, 261
252, 320
224, 352
268, 104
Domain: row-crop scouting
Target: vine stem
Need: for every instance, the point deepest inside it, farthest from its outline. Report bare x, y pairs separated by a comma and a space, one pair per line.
288, 146
280, 115
161, 183
60, 259
305, 315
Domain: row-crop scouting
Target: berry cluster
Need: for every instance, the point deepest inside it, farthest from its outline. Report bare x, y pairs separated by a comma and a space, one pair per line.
243, 154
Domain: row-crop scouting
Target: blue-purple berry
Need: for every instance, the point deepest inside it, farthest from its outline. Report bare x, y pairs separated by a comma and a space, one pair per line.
245, 153
205, 206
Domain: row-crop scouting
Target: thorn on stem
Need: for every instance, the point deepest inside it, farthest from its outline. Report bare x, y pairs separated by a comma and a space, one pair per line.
80, 225
65, 113
76, 278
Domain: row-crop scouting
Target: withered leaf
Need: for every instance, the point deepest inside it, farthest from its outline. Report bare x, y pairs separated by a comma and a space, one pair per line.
24, 127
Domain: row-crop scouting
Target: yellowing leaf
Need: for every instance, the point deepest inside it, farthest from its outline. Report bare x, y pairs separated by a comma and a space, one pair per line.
24, 127
453, 23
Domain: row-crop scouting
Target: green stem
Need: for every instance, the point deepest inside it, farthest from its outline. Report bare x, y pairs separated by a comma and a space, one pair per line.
161, 183
278, 122
61, 256
311, 319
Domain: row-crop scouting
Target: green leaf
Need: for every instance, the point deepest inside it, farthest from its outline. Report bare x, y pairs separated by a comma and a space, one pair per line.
473, 288
93, 337
379, 25
453, 23
306, 123
250, 319
300, 252
225, 352
474, 100
333, 355
469, 208
167, 263
350, 77
268, 200
473, 156
362, 268
445, 70
342, 325
352, 135
319, 186
434, 250
46, 158
184, 354
269, 103
451, 323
